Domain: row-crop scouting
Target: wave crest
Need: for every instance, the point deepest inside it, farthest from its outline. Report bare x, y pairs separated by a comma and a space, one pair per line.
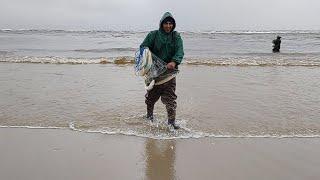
124, 60
67, 60
252, 62
146, 31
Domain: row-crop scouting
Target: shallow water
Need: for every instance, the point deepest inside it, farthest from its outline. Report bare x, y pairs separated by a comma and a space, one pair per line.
230, 84
217, 101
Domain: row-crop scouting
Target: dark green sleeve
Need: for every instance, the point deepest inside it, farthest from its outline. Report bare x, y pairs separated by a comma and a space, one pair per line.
148, 41
178, 56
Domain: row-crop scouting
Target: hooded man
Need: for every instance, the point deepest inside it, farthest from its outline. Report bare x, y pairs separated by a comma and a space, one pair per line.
166, 44
276, 44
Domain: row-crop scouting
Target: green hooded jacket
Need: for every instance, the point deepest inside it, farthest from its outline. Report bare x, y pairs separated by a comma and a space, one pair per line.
167, 46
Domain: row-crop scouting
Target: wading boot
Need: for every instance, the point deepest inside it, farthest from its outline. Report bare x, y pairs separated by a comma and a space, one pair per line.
173, 124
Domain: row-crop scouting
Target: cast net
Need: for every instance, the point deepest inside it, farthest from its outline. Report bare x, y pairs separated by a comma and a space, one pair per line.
148, 65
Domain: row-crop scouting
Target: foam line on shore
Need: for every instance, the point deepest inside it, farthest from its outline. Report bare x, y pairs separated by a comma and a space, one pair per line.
175, 135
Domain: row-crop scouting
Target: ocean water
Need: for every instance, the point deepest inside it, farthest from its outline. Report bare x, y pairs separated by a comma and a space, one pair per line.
230, 84
299, 48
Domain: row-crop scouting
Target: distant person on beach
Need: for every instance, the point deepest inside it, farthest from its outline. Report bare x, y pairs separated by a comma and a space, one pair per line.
166, 44
276, 44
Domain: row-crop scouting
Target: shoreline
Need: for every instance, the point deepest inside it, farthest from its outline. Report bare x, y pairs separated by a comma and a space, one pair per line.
201, 135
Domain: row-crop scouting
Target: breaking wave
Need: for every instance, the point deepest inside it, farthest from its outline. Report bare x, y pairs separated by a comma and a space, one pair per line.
260, 60
64, 31
67, 60
239, 61
145, 31
255, 32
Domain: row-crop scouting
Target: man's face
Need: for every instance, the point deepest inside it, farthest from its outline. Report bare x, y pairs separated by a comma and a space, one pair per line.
167, 26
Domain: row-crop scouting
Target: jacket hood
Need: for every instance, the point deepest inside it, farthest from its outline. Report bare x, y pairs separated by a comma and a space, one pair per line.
166, 15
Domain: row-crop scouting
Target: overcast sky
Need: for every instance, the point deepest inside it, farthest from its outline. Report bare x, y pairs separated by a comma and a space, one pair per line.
145, 14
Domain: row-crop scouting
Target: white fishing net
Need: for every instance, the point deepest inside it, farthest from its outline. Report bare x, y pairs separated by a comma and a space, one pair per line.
147, 64
152, 68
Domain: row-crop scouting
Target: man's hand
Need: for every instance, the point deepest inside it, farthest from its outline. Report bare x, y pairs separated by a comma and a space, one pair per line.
171, 65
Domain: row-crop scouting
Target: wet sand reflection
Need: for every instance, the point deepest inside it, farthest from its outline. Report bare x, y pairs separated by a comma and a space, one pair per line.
160, 159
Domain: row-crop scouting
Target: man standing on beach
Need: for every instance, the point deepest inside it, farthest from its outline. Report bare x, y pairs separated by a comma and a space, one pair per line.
168, 46
276, 44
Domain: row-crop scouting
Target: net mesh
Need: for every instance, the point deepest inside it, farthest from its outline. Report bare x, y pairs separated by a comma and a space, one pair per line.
150, 66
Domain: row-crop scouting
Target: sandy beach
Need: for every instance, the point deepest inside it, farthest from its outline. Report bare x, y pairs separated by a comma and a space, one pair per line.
34, 154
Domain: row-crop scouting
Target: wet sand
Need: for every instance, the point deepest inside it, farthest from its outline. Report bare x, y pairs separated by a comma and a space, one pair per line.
32, 154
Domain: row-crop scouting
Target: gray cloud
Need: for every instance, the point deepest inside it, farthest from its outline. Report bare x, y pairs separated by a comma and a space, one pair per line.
145, 14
